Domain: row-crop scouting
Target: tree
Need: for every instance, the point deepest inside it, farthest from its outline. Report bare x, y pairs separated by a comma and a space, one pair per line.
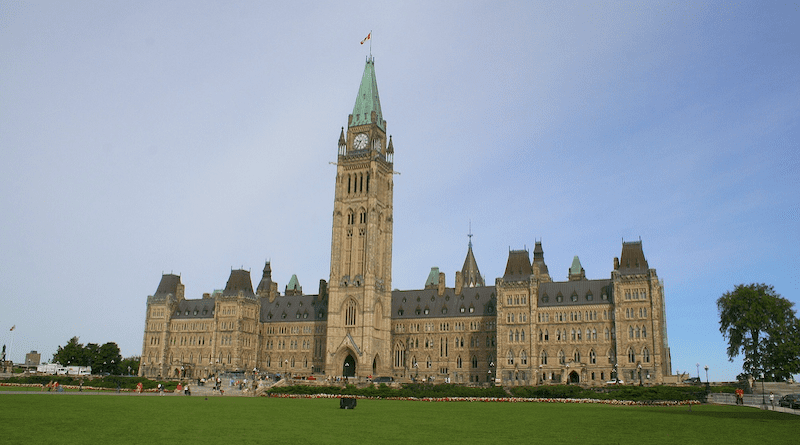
71, 354
129, 365
760, 324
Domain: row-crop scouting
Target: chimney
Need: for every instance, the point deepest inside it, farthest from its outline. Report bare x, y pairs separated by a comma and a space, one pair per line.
616, 263
459, 282
441, 284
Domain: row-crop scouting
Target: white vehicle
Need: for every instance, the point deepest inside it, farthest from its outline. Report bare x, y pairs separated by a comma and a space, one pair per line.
615, 382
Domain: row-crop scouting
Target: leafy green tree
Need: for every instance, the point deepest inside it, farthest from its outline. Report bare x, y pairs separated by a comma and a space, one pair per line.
109, 358
760, 324
130, 365
71, 354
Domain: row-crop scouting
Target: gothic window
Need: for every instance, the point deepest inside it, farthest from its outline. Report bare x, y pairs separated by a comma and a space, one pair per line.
523, 357
610, 356
573, 335
428, 362
510, 335
606, 334
546, 335
579, 334
541, 335
631, 356
630, 332
474, 361
510, 357
544, 357
576, 356
458, 362
646, 355
522, 335
350, 314
592, 357
638, 332
516, 335
561, 358
644, 332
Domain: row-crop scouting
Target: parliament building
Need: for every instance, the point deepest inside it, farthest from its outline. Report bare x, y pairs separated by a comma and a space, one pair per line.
525, 329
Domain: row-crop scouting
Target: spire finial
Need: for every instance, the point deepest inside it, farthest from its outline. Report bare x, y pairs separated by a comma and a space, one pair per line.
470, 234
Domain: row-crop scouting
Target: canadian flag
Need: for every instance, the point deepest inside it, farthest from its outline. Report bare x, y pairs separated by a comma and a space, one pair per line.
13, 327
369, 36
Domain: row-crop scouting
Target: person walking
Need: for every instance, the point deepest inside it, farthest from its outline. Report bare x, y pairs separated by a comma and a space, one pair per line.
772, 399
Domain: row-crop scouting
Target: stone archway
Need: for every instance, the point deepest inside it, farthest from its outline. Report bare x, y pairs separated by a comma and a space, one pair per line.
349, 366
374, 366
573, 377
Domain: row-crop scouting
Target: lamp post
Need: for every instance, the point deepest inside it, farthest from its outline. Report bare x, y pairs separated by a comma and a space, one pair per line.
763, 401
698, 371
640, 374
616, 375
707, 383
541, 378
491, 376
416, 375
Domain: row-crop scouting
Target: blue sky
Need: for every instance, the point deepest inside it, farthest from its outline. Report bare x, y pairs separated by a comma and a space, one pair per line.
195, 137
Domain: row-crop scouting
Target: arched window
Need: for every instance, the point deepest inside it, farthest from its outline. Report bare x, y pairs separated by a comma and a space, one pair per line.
630, 332
592, 357
458, 362
576, 356
541, 335
544, 357
350, 314
546, 335
644, 332
510, 357
510, 335
516, 335
474, 361
561, 358
523, 357
573, 335
522, 335
638, 332
646, 355
631, 356
606, 334
428, 361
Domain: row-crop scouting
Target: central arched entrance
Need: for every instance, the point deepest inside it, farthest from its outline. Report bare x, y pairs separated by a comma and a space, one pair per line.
349, 366
574, 377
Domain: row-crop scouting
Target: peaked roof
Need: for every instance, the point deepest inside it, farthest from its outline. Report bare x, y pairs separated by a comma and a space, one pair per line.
294, 283
433, 278
518, 267
367, 100
239, 281
470, 274
632, 260
538, 258
576, 266
168, 285
266, 279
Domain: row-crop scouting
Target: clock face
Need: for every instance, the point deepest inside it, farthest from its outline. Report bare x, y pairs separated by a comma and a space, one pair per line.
360, 141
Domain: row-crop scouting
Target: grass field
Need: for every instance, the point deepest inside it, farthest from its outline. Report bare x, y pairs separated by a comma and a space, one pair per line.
88, 418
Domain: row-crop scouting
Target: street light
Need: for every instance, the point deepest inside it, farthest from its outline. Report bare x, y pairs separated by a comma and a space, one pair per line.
698, 371
640, 374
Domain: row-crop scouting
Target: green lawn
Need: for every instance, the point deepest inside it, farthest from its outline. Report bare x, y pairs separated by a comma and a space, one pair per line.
81, 419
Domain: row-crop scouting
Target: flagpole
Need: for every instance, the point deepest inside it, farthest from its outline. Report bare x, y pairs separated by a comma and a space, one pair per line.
370, 44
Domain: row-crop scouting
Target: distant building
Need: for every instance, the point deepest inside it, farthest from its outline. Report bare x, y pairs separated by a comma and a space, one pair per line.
526, 329
32, 358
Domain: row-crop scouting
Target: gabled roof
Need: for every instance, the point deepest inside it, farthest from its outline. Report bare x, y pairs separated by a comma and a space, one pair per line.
367, 100
190, 309
475, 301
294, 308
586, 291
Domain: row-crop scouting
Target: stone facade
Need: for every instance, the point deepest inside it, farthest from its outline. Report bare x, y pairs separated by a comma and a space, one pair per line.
526, 329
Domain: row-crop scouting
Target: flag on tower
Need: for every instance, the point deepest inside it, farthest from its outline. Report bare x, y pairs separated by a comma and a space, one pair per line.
368, 37
12, 328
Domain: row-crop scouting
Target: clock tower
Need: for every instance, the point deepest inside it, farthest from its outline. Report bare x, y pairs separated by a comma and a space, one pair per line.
360, 289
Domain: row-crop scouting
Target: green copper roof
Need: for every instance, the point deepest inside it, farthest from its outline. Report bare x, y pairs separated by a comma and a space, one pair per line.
367, 100
294, 283
576, 266
433, 277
